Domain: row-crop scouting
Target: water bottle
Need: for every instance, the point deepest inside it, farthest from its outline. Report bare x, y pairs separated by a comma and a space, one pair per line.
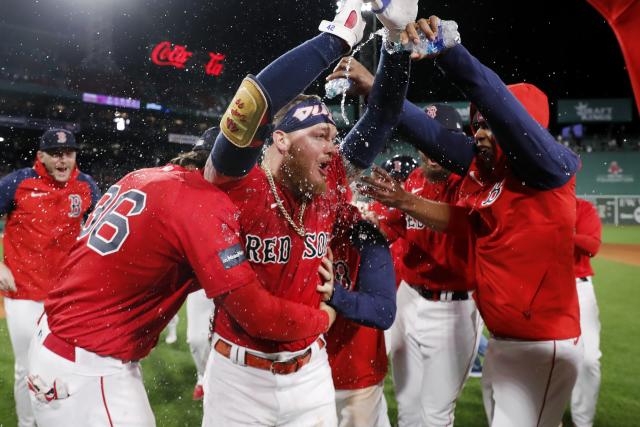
447, 36
336, 87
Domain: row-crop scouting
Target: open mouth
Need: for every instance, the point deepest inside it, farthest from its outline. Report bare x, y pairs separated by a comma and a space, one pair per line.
324, 168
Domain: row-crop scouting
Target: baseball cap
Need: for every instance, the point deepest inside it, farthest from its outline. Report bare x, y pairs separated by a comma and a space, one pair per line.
206, 141
56, 139
400, 166
446, 115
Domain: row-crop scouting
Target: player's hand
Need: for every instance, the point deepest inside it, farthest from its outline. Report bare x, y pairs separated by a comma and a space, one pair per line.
330, 311
428, 26
361, 78
327, 276
7, 282
381, 187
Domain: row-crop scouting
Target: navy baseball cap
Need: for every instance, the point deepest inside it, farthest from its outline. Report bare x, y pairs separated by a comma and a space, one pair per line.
207, 139
446, 115
58, 139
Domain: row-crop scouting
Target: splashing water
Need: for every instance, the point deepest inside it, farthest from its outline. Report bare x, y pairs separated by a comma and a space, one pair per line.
381, 32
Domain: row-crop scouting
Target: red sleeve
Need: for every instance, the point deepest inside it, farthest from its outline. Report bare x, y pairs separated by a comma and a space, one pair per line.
209, 235
588, 229
393, 224
268, 317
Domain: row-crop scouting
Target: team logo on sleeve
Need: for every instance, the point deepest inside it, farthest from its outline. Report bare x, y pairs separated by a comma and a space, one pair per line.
493, 194
341, 271
232, 256
76, 206
413, 224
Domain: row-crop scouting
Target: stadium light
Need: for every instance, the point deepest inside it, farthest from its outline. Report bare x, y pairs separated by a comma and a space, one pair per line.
1, 139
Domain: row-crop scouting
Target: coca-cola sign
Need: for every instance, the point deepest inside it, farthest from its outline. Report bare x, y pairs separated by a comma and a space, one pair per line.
166, 54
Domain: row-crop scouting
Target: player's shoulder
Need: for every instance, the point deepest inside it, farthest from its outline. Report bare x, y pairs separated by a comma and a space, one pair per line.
19, 175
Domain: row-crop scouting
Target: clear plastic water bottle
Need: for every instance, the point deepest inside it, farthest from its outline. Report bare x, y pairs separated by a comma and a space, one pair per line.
336, 87
447, 36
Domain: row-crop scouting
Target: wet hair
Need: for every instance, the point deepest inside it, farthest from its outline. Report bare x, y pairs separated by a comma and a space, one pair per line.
194, 159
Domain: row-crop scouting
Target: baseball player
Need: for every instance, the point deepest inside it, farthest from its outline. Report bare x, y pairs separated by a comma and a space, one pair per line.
287, 213
363, 269
155, 236
45, 205
584, 396
429, 366
436, 335
199, 308
517, 198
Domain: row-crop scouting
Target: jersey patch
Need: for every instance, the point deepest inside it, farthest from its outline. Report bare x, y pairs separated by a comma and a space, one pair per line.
341, 271
413, 224
493, 194
231, 256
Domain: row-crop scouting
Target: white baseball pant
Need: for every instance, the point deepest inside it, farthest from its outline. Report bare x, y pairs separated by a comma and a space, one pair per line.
529, 383
239, 395
585, 393
433, 345
199, 311
22, 316
363, 407
103, 391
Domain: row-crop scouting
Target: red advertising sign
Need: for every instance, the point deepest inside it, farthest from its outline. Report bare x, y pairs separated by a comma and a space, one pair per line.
167, 54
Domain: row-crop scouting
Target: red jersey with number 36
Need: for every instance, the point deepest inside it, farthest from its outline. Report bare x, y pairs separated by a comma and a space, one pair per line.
133, 264
285, 262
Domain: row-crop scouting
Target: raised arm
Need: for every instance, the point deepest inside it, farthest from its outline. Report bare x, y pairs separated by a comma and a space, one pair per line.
245, 124
367, 138
534, 154
453, 151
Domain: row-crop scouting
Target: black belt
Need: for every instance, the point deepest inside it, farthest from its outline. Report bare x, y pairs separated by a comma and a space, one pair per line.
441, 295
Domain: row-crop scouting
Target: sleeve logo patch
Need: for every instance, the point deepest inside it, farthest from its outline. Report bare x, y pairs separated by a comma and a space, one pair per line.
232, 256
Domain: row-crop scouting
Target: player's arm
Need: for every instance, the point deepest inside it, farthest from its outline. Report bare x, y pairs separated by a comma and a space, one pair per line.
384, 105
534, 154
374, 303
435, 215
209, 239
588, 230
453, 151
265, 316
8, 186
245, 124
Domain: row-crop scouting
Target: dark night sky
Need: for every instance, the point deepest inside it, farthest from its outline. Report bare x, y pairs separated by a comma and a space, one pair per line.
568, 52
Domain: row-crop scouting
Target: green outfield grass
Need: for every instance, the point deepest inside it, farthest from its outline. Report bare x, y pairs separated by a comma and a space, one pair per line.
169, 373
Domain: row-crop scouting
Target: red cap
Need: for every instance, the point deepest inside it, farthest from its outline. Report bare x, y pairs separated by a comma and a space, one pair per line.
532, 99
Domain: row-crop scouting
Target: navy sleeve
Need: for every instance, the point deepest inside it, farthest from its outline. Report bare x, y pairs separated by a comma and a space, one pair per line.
374, 304
8, 186
282, 80
368, 137
453, 151
535, 156
95, 191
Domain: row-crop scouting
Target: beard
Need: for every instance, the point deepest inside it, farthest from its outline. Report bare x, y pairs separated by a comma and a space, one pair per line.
298, 178
486, 160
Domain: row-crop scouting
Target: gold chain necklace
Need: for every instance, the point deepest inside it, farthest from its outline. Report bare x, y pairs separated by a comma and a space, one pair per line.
298, 228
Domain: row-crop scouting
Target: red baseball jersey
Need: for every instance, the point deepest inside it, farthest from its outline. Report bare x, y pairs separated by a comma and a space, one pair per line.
285, 263
524, 255
357, 354
133, 264
432, 259
44, 219
397, 245
588, 237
